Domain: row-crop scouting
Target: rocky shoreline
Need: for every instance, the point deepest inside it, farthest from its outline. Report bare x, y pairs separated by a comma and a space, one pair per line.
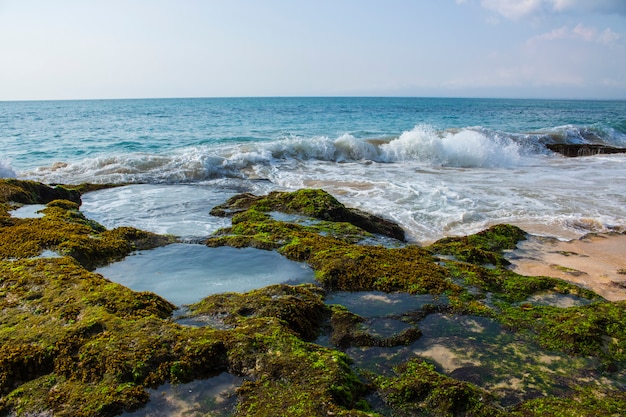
76, 344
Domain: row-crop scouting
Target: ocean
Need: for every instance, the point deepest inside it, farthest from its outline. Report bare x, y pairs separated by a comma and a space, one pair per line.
438, 167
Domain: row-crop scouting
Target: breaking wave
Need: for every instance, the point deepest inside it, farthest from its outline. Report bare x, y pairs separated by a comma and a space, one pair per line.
472, 147
5, 170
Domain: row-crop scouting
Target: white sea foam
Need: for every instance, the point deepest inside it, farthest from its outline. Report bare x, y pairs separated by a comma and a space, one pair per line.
432, 182
180, 210
6, 171
464, 148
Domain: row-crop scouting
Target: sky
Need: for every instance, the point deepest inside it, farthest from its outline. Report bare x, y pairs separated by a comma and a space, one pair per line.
99, 49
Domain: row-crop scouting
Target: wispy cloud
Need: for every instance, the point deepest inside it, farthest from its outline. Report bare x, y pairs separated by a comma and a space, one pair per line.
581, 33
518, 9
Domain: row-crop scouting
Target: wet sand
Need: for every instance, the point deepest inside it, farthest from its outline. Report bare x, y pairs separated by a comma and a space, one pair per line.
595, 261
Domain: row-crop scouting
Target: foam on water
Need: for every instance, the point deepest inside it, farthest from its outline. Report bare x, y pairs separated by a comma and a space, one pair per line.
180, 210
5, 170
186, 273
554, 195
436, 166
468, 148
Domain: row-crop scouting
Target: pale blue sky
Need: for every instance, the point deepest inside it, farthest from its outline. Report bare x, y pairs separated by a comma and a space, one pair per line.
74, 49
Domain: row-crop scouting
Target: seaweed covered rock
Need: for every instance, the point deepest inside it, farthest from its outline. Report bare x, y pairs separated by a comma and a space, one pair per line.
597, 329
419, 389
314, 203
31, 192
301, 307
485, 247
330, 249
64, 229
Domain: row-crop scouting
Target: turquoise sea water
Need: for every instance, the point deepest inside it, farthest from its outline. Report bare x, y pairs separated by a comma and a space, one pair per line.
436, 166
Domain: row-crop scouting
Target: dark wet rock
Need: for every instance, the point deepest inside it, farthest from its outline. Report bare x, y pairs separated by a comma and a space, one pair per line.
576, 150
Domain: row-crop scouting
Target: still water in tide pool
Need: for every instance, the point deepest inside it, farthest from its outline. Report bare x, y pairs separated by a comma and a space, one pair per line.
186, 273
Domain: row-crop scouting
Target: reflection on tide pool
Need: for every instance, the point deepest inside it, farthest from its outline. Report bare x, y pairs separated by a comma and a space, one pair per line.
214, 397
186, 273
372, 304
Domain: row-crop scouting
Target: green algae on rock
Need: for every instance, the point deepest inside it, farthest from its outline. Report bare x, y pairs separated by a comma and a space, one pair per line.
64, 229
300, 307
340, 263
76, 344
314, 203
31, 192
418, 389
484, 247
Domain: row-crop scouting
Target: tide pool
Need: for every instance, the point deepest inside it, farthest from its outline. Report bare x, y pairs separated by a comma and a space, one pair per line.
186, 273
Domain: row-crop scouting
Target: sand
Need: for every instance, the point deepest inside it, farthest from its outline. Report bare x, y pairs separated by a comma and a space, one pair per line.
595, 261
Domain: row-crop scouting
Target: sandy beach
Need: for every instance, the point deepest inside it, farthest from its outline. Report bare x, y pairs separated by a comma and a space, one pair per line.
595, 261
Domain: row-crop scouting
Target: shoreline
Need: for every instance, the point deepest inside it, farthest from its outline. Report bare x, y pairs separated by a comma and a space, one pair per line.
596, 261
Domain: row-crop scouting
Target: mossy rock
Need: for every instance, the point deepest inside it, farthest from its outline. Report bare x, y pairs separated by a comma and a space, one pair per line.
485, 247
585, 401
301, 307
510, 286
76, 344
345, 332
31, 192
313, 203
67, 231
339, 263
597, 329
420, 390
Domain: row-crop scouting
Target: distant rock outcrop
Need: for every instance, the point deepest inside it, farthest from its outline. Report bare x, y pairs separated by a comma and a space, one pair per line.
574, 150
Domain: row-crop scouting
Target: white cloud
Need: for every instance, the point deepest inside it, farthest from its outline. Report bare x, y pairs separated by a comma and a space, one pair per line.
608, 37
518, 9
579, 33
513, 9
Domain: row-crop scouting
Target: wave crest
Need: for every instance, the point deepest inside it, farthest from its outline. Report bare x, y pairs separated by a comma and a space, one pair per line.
471, 147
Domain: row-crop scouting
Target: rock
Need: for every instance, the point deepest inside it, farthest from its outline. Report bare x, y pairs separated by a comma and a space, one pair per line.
575, 150
315, 203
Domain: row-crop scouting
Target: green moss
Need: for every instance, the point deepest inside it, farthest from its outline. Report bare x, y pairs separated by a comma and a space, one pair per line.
585, 402
295, 377
508, 285
66, 230
346, 332
76, 344
31, 192
597, 329
301, 308
485, 247
339, 263
419, 390
313, 203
